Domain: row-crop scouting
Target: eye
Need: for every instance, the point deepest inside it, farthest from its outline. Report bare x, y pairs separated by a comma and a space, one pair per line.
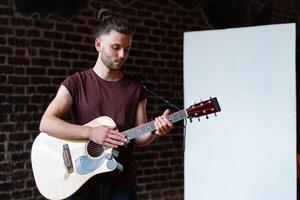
116, 47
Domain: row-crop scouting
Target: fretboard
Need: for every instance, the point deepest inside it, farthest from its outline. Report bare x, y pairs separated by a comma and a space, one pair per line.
149, 126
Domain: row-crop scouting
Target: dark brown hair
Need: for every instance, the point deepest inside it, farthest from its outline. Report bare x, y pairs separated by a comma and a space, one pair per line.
109, 22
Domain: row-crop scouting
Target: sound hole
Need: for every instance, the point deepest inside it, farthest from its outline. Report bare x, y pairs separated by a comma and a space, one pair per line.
94, 150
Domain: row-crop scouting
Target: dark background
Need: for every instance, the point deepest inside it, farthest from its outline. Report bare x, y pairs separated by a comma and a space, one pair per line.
42, 42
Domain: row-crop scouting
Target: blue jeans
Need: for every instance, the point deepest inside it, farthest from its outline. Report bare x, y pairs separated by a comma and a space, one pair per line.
111, 191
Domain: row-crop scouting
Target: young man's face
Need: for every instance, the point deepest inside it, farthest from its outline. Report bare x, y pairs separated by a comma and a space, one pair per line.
114, 49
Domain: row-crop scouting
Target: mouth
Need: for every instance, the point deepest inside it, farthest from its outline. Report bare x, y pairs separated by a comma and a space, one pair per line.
119, 62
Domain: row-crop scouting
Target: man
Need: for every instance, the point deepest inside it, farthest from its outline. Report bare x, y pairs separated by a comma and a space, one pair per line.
104, 90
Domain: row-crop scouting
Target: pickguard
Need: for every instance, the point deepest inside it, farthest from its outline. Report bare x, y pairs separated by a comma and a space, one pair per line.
85, 165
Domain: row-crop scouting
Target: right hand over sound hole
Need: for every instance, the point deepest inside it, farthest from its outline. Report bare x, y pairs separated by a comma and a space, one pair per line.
107, 136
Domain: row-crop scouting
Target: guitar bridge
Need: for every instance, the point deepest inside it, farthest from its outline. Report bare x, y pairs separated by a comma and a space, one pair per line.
67, 158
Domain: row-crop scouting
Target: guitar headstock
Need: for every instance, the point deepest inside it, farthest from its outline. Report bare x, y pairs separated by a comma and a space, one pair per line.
203, 108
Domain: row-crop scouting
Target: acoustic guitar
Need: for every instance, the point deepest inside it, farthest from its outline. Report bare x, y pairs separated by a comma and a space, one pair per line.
62, 167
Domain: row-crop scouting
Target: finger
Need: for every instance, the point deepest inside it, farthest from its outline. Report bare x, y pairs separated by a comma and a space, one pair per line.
166, 112
167, 122
107, 144
114, 142
164, 122
159, 126
117, 137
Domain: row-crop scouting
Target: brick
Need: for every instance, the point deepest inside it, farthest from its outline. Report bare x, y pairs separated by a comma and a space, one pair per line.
6, 89
81, 64
93, 22
142, 62
3, 40
150, 54
20, 32
19, 90
21, 194
61, 63
35, 71
6, 108
159, 32
41, 61
19, 70
20, 52
81, 47
3, 78
142, 29
83, 29
47, 52
5, 50
69, 55
150, 23
40, 43
85, 56
33, 33
5, 167
53, 35
73, 37
20, 156
18, 80
46, 89
64, 27
6, 186
62, 45
89, 40
3, 118
135, 20
18, 60
5, 31
19, 42
57, 72
18, 21
43, 24
20, 175
40, 80
13, 146
174, 34
145, 14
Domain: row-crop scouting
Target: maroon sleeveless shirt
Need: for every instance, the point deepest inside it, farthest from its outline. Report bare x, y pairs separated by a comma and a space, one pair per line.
94, 97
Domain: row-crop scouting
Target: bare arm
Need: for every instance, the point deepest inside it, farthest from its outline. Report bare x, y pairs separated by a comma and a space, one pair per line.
53, 124
162, 125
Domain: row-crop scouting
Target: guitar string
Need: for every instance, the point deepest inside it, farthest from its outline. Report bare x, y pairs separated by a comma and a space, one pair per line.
135, 132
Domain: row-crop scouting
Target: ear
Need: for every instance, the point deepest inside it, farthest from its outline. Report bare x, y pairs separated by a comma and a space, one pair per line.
98, 44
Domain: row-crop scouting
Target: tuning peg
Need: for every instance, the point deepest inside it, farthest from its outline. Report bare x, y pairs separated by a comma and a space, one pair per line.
191, 120
216, 114
207, 117
199, 119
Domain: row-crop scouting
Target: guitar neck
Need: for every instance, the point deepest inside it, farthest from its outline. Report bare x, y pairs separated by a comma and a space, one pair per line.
149, 126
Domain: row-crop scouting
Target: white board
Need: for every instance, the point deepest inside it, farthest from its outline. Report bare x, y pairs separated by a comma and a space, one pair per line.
247, 152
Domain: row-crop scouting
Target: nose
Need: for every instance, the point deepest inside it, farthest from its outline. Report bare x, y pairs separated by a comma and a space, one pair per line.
122, 53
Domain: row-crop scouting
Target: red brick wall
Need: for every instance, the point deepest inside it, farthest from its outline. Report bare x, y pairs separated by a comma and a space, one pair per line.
36, 54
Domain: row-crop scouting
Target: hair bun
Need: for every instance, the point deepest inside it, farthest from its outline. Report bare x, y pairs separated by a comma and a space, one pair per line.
104, 14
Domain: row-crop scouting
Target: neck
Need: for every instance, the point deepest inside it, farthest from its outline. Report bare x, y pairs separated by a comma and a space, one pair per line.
105, 73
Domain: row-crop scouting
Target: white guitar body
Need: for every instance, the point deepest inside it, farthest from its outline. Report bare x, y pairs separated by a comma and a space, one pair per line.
53, 178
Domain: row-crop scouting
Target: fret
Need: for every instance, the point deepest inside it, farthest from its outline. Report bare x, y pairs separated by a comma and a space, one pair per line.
149, 126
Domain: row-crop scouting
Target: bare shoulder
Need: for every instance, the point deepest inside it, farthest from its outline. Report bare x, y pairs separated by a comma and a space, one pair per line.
62, 102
